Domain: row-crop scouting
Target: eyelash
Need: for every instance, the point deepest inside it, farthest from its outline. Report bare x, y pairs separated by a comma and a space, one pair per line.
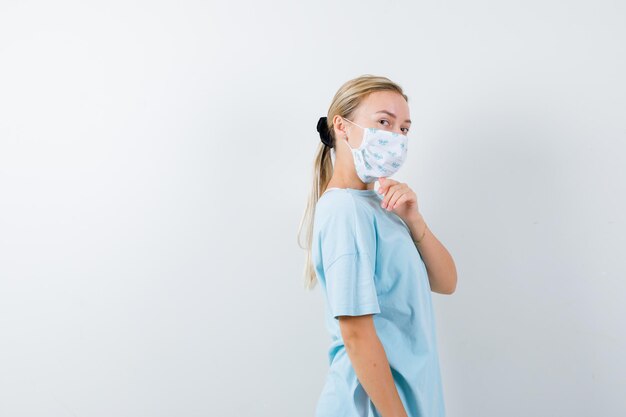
407, 129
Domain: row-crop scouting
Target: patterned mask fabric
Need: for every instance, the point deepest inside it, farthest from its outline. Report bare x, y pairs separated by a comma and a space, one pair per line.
381, 153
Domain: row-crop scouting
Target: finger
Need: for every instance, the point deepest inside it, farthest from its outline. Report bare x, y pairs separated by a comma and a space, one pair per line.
381, 184
388, 195
393, 201
399, 189
388, 183
403, 199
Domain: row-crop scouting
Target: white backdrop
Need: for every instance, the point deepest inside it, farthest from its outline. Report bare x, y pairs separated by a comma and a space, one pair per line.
155, 160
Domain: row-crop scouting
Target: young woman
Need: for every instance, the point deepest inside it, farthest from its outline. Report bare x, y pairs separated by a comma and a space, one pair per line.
375, 259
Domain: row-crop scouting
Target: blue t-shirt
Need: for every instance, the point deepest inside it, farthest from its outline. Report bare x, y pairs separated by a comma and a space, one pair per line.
366, 263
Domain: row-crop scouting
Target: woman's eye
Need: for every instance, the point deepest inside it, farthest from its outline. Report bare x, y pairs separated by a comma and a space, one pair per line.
406, 130
384, 120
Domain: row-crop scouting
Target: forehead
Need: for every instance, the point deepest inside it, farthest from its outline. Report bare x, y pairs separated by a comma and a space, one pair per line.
385, 100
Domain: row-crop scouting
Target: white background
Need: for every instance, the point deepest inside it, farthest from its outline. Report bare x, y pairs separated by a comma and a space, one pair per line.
155, 160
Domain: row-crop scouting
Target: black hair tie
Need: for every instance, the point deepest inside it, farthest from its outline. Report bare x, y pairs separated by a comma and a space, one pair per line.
322, 129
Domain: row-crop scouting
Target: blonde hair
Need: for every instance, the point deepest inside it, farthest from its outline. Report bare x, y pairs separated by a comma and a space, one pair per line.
344, 103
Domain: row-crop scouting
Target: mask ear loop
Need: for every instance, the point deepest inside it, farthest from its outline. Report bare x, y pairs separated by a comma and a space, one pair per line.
354, 123
345, 136
364, 134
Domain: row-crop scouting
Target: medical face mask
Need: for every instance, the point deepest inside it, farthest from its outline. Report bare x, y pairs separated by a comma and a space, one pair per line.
381, 153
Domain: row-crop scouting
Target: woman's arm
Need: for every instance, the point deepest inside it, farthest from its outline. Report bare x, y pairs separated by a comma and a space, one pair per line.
439, 263
370, 364
400, 198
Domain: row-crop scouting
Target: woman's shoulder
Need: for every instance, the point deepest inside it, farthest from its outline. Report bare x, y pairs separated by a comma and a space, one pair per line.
345, 205
335, 202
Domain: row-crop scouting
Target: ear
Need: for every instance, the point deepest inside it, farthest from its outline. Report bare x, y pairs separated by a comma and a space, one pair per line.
339, 127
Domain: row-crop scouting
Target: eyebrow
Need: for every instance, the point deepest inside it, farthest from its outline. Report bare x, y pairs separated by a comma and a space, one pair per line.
392, 115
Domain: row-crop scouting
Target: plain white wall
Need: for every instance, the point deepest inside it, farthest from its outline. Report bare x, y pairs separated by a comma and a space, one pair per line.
155, 160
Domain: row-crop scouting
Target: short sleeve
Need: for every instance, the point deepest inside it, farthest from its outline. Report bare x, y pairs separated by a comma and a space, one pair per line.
350, 286
348, 248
